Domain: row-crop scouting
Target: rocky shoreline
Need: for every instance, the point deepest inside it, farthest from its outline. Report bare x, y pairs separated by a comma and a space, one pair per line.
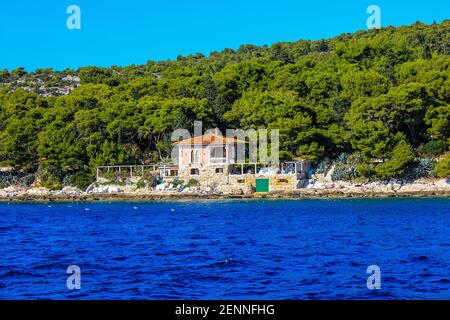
424, 188
154, 197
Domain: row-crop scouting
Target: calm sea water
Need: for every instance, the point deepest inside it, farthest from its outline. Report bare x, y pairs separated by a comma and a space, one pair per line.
303, 249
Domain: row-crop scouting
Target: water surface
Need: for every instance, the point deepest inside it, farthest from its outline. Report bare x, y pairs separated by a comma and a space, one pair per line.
258, 249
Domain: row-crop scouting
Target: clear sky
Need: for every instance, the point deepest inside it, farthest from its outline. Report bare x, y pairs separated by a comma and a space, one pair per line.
34, 34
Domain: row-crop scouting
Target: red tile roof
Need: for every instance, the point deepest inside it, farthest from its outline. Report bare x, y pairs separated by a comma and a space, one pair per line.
208, 139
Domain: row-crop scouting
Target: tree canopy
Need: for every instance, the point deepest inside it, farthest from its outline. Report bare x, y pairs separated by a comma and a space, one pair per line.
381, 94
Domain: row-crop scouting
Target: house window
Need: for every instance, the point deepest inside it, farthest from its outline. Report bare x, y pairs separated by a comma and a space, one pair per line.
219, 170
195, 172
195, 158
283, 181
218, 154
241, 181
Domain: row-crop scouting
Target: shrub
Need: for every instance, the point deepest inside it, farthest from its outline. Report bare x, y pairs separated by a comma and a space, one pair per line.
27, 180
153, 180
177, 183
342, 158
343, 172
365, 170
81, 180
443, 167
421, 168
432, 149
114, 176
346, 167
141, 184
286, 156
339, 173
51, 183
8, 178
402, 156
192, 183
324, 165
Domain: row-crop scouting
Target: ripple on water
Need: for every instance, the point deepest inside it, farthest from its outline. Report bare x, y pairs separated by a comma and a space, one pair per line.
227, 249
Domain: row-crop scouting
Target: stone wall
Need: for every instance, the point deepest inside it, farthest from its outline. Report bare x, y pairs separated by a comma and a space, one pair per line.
219, 176
208, 177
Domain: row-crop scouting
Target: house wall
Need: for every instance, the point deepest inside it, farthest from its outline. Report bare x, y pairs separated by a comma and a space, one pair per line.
185, 155
279, 182
246, 183
208, 177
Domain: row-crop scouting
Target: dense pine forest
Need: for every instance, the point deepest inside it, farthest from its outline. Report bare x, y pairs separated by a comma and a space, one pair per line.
376, 103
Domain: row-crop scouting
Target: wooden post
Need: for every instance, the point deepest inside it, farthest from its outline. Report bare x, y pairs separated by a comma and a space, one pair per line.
142, 170
242, 169
131, 172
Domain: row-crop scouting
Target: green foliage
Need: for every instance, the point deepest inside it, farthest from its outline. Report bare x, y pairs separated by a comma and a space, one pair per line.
81, 180
99, 75
343, 173
192, 183
443, 167
365, 170
176, 183
402, 156
141, 184
15, 178
286, 156
375, 93
156, 180
433, 149
7, 179
27, 180
324, 165
438, 118
346, 167
421, 168
51, 183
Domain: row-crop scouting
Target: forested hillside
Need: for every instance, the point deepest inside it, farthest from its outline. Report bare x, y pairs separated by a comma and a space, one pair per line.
377, 100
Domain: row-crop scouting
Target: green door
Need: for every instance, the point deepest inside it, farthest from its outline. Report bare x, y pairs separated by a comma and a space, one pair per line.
262, 185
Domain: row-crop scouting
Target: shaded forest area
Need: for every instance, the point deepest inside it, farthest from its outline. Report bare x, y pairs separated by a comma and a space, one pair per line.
376, 103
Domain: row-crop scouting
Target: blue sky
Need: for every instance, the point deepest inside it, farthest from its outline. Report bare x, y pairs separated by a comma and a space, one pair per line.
33, 34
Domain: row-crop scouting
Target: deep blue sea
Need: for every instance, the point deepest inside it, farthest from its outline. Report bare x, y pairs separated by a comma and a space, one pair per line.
256, 249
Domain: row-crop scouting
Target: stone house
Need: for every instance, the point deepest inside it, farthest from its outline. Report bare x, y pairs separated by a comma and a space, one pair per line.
208, 154
211, 159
